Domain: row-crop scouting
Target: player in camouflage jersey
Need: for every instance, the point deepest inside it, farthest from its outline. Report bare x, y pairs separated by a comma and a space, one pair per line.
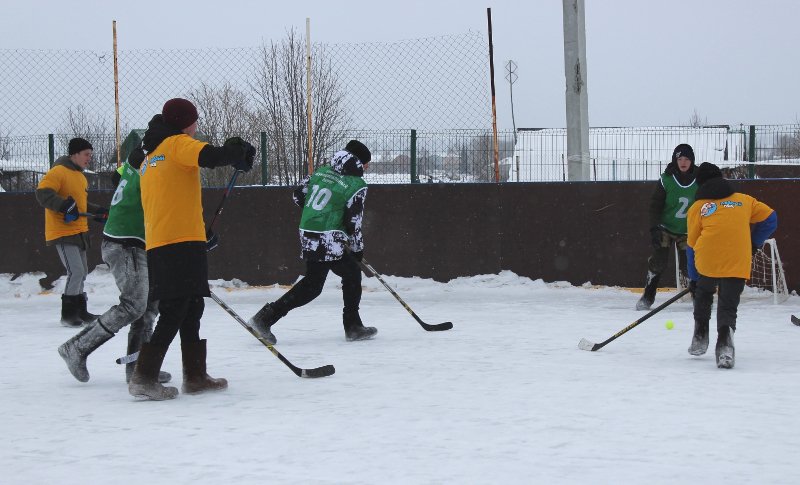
123, 251
668, 208
331, 240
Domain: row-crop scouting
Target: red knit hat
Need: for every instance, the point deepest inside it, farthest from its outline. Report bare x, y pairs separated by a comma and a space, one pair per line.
179, 112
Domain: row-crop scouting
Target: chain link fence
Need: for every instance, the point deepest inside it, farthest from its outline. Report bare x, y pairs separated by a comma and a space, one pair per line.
430, 83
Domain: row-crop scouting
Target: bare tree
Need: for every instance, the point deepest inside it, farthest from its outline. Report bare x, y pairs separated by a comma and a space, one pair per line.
695, 121
5, 146
95, 129
224, 112
481, 161
789, 144
280, 93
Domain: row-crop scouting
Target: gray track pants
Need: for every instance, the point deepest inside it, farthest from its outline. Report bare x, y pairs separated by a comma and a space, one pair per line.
74, 260
129, 267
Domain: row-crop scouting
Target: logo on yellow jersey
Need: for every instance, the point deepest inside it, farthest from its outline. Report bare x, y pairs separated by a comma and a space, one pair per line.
152, 163
708, 208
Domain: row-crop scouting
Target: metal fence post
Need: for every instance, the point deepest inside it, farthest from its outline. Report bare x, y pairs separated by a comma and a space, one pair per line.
51, 149
751, 153
413, 158
264, 163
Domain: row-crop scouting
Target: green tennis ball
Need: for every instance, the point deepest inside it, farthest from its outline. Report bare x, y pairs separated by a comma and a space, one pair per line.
670, 324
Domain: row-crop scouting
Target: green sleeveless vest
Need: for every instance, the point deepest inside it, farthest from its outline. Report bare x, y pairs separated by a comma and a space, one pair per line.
678, 200
126, 217
326, 200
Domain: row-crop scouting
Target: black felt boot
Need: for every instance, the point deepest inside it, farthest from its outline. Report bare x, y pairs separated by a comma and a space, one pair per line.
195, 378
726, 354
262, 321
700, 338
137, 335
70, 311
144, 382
650, 288
354, 329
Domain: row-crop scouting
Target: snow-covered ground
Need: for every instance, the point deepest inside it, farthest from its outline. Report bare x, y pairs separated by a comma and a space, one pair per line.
504, 397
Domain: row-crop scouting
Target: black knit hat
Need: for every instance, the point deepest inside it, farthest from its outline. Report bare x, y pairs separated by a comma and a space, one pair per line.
179, 113
706, 172
77, 145
683, 150
359, 150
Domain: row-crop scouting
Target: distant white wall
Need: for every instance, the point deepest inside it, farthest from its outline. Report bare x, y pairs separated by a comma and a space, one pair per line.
639, 153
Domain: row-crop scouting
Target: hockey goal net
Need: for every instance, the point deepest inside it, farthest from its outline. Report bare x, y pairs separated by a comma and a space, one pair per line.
767, 277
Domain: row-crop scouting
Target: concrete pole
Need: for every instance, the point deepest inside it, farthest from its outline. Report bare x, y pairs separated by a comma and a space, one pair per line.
577, 98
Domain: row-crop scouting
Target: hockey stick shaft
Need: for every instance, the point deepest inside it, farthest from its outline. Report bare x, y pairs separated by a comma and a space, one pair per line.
224, 197
323, 371
587, 345
426, 326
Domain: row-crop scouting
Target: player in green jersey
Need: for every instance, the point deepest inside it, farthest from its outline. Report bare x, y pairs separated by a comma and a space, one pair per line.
123, 250
331, 240
668, 208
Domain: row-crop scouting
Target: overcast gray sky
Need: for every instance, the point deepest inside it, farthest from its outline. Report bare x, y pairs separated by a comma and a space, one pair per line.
649, 62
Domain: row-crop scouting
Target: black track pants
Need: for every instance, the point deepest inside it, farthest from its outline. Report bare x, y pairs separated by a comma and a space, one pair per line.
730, 291
310, 287
178, 315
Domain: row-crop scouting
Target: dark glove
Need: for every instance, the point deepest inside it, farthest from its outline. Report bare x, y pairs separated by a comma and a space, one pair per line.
299, 197
655, 236
692, 287
212, 240
248, 150
70, 210
136, 157
101, 215
357, 255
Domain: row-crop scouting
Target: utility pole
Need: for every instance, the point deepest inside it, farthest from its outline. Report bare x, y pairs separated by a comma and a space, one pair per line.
511, 76
577, 98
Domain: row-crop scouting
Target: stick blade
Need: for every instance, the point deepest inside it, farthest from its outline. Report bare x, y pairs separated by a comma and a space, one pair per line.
587, 345
796, 320
324, 371
127, 359
438, 327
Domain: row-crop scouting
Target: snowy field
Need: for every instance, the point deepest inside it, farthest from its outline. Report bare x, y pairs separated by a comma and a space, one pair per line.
504, 397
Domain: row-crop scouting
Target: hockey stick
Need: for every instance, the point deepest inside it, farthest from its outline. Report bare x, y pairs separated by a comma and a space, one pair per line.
796, 320
431, 328
90, 214
324, 371
587, 345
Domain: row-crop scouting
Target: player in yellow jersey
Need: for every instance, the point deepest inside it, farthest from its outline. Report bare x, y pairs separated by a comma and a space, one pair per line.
720, 248
175, 239
63, 193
